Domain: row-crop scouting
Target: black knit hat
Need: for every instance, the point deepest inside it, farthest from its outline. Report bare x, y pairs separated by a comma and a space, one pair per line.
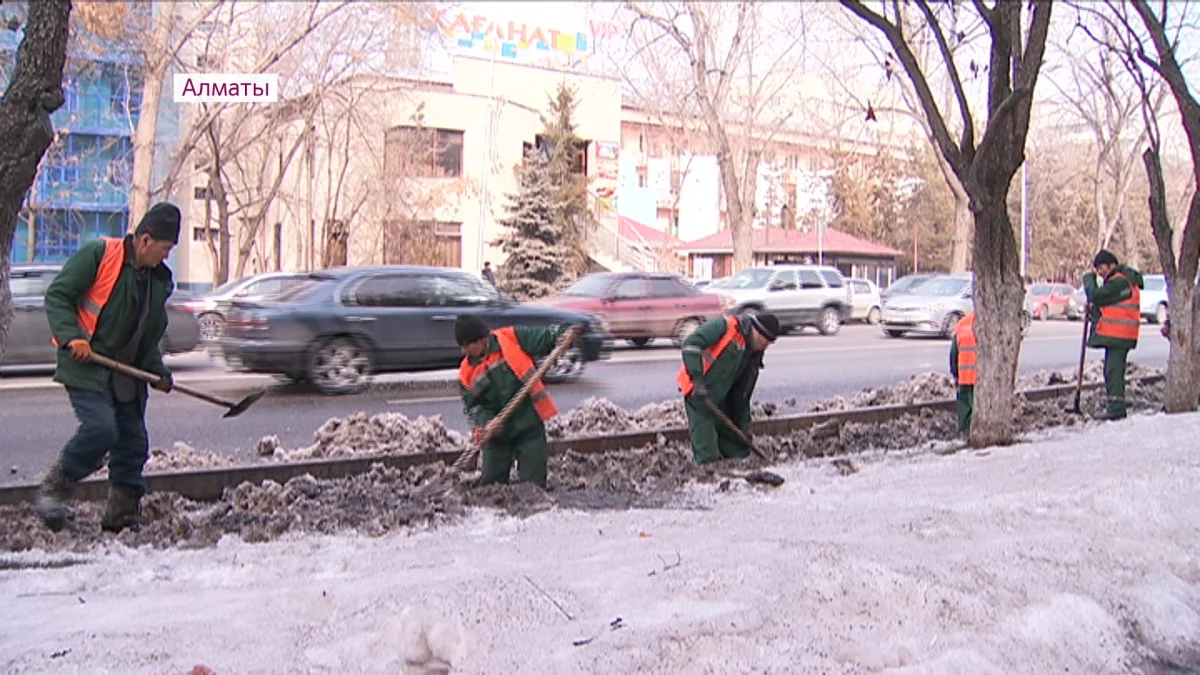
1104, 258
766, 325
161, 222
469, 328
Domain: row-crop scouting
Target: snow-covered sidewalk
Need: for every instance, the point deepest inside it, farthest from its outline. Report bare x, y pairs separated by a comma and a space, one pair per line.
1075, 552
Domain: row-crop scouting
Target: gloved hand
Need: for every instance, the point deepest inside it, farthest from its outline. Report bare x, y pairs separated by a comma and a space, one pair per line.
81, 350
165, 383
477, 436
700, 394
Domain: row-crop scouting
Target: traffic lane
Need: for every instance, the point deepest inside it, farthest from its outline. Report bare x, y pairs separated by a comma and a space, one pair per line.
34, 425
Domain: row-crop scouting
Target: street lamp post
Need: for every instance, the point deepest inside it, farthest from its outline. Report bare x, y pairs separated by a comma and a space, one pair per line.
487, 163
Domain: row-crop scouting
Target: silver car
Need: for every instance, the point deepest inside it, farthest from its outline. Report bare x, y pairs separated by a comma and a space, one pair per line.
29, 337
799, 295
935, 307
210, 308
1154, 298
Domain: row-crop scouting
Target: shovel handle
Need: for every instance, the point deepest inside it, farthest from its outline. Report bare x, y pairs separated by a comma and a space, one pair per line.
151, 378
719, 414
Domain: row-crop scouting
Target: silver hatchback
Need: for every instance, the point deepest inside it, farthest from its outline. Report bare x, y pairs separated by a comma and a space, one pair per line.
933, 307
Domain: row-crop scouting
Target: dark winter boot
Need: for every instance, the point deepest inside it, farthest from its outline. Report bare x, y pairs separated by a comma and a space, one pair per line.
51, 501
121, 511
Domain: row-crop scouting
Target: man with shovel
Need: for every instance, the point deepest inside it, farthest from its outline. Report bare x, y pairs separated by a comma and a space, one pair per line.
495, 365
721, 360
110, 299
1116, 317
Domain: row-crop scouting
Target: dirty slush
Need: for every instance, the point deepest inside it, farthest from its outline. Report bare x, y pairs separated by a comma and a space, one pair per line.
384, 499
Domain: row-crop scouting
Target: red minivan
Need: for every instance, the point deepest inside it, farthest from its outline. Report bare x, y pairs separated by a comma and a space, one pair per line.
640, 306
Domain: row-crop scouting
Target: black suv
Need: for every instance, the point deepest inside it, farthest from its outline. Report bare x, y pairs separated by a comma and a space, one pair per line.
335, 328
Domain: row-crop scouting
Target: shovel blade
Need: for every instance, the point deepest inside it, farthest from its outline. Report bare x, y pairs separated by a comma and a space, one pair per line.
241, 406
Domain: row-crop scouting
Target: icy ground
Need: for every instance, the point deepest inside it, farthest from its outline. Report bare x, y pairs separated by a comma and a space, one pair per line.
1070, 554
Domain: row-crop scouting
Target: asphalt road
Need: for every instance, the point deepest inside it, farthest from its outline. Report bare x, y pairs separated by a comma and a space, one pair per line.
35, 418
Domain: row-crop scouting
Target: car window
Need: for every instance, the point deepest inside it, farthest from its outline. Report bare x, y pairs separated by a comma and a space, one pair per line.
629, 289
1065, 290
755, 278
860, 287
810, 279
262, 287
1040, 289
665, 287
1155, 284
29, 286
832, 278
591, 286
785, 278
463, 290
391, 291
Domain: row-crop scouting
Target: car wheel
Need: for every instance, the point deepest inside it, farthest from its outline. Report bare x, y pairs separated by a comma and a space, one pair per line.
568, 368
874, 316
894, 333
1160, 313
639, 342
684, 329
950, 323
212, 327
830, 321
340, 366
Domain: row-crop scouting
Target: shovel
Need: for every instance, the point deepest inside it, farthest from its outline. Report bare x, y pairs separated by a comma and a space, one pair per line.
1087, 319
720, 414
437, 486
235, 407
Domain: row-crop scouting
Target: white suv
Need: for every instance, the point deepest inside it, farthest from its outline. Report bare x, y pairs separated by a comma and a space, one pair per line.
799, 295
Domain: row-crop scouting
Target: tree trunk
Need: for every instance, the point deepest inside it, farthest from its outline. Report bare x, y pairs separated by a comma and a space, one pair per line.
1182, 361
735, 210
960, 250
147, 126
34, 92
998, 296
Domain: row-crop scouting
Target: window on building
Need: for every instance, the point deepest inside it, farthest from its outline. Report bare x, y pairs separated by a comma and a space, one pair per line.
423, 152
422, 242
200, 193
579, 162
202, 234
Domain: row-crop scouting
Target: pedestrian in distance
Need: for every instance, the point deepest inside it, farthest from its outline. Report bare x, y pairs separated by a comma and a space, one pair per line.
110, 299
963, 361
721, 360
488, 274
1115, 310
495, 365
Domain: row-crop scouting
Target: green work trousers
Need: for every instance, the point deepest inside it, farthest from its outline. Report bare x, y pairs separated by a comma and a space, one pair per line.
1115, 360
530, 450
711, 440
966, 407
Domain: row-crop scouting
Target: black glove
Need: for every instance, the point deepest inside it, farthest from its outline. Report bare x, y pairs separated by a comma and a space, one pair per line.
165, 383
699, 394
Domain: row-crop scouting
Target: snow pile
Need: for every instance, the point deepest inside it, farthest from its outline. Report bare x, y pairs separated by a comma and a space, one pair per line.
181, 456
358, 434
600, 416
1075, 554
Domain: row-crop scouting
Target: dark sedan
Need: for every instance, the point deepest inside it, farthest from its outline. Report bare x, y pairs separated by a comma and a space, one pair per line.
335, 328
29, 337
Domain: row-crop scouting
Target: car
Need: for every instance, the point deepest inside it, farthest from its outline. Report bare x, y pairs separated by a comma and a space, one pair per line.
1046, 301
210, 308
904, 285
936, 307
29, 336
334, 329
799, 295
640, 307
865, 304
1076, 304
1154, 298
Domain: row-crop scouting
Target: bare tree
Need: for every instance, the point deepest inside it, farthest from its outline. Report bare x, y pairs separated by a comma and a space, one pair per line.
1148, 40
737, 74
1101, 95
986, 171
34, 92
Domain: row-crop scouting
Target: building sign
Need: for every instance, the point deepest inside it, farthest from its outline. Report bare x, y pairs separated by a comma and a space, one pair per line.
510, 38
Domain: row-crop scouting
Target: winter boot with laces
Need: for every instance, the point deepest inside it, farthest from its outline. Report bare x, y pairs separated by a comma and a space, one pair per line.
51, 502
121, 511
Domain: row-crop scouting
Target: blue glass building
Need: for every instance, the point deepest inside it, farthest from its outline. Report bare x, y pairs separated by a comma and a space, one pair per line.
82, 187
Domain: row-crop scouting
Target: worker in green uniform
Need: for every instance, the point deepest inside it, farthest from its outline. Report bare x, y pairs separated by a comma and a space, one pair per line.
1116, 315
109, 298
495, 365
721, 360
964, 360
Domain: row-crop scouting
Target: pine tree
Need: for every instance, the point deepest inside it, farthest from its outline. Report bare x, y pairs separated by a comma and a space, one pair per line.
573, 216
536, 261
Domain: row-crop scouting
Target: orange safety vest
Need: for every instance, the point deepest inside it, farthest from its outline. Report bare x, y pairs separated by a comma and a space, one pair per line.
102, 286
964, 335
521, 365
733, 335
1123, 320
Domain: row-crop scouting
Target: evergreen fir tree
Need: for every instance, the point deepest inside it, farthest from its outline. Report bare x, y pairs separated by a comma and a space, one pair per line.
574, 217
536, 261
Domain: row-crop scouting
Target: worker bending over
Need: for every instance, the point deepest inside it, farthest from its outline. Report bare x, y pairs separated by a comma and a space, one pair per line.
495, 365
721, 360
1116, 314
963, 361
